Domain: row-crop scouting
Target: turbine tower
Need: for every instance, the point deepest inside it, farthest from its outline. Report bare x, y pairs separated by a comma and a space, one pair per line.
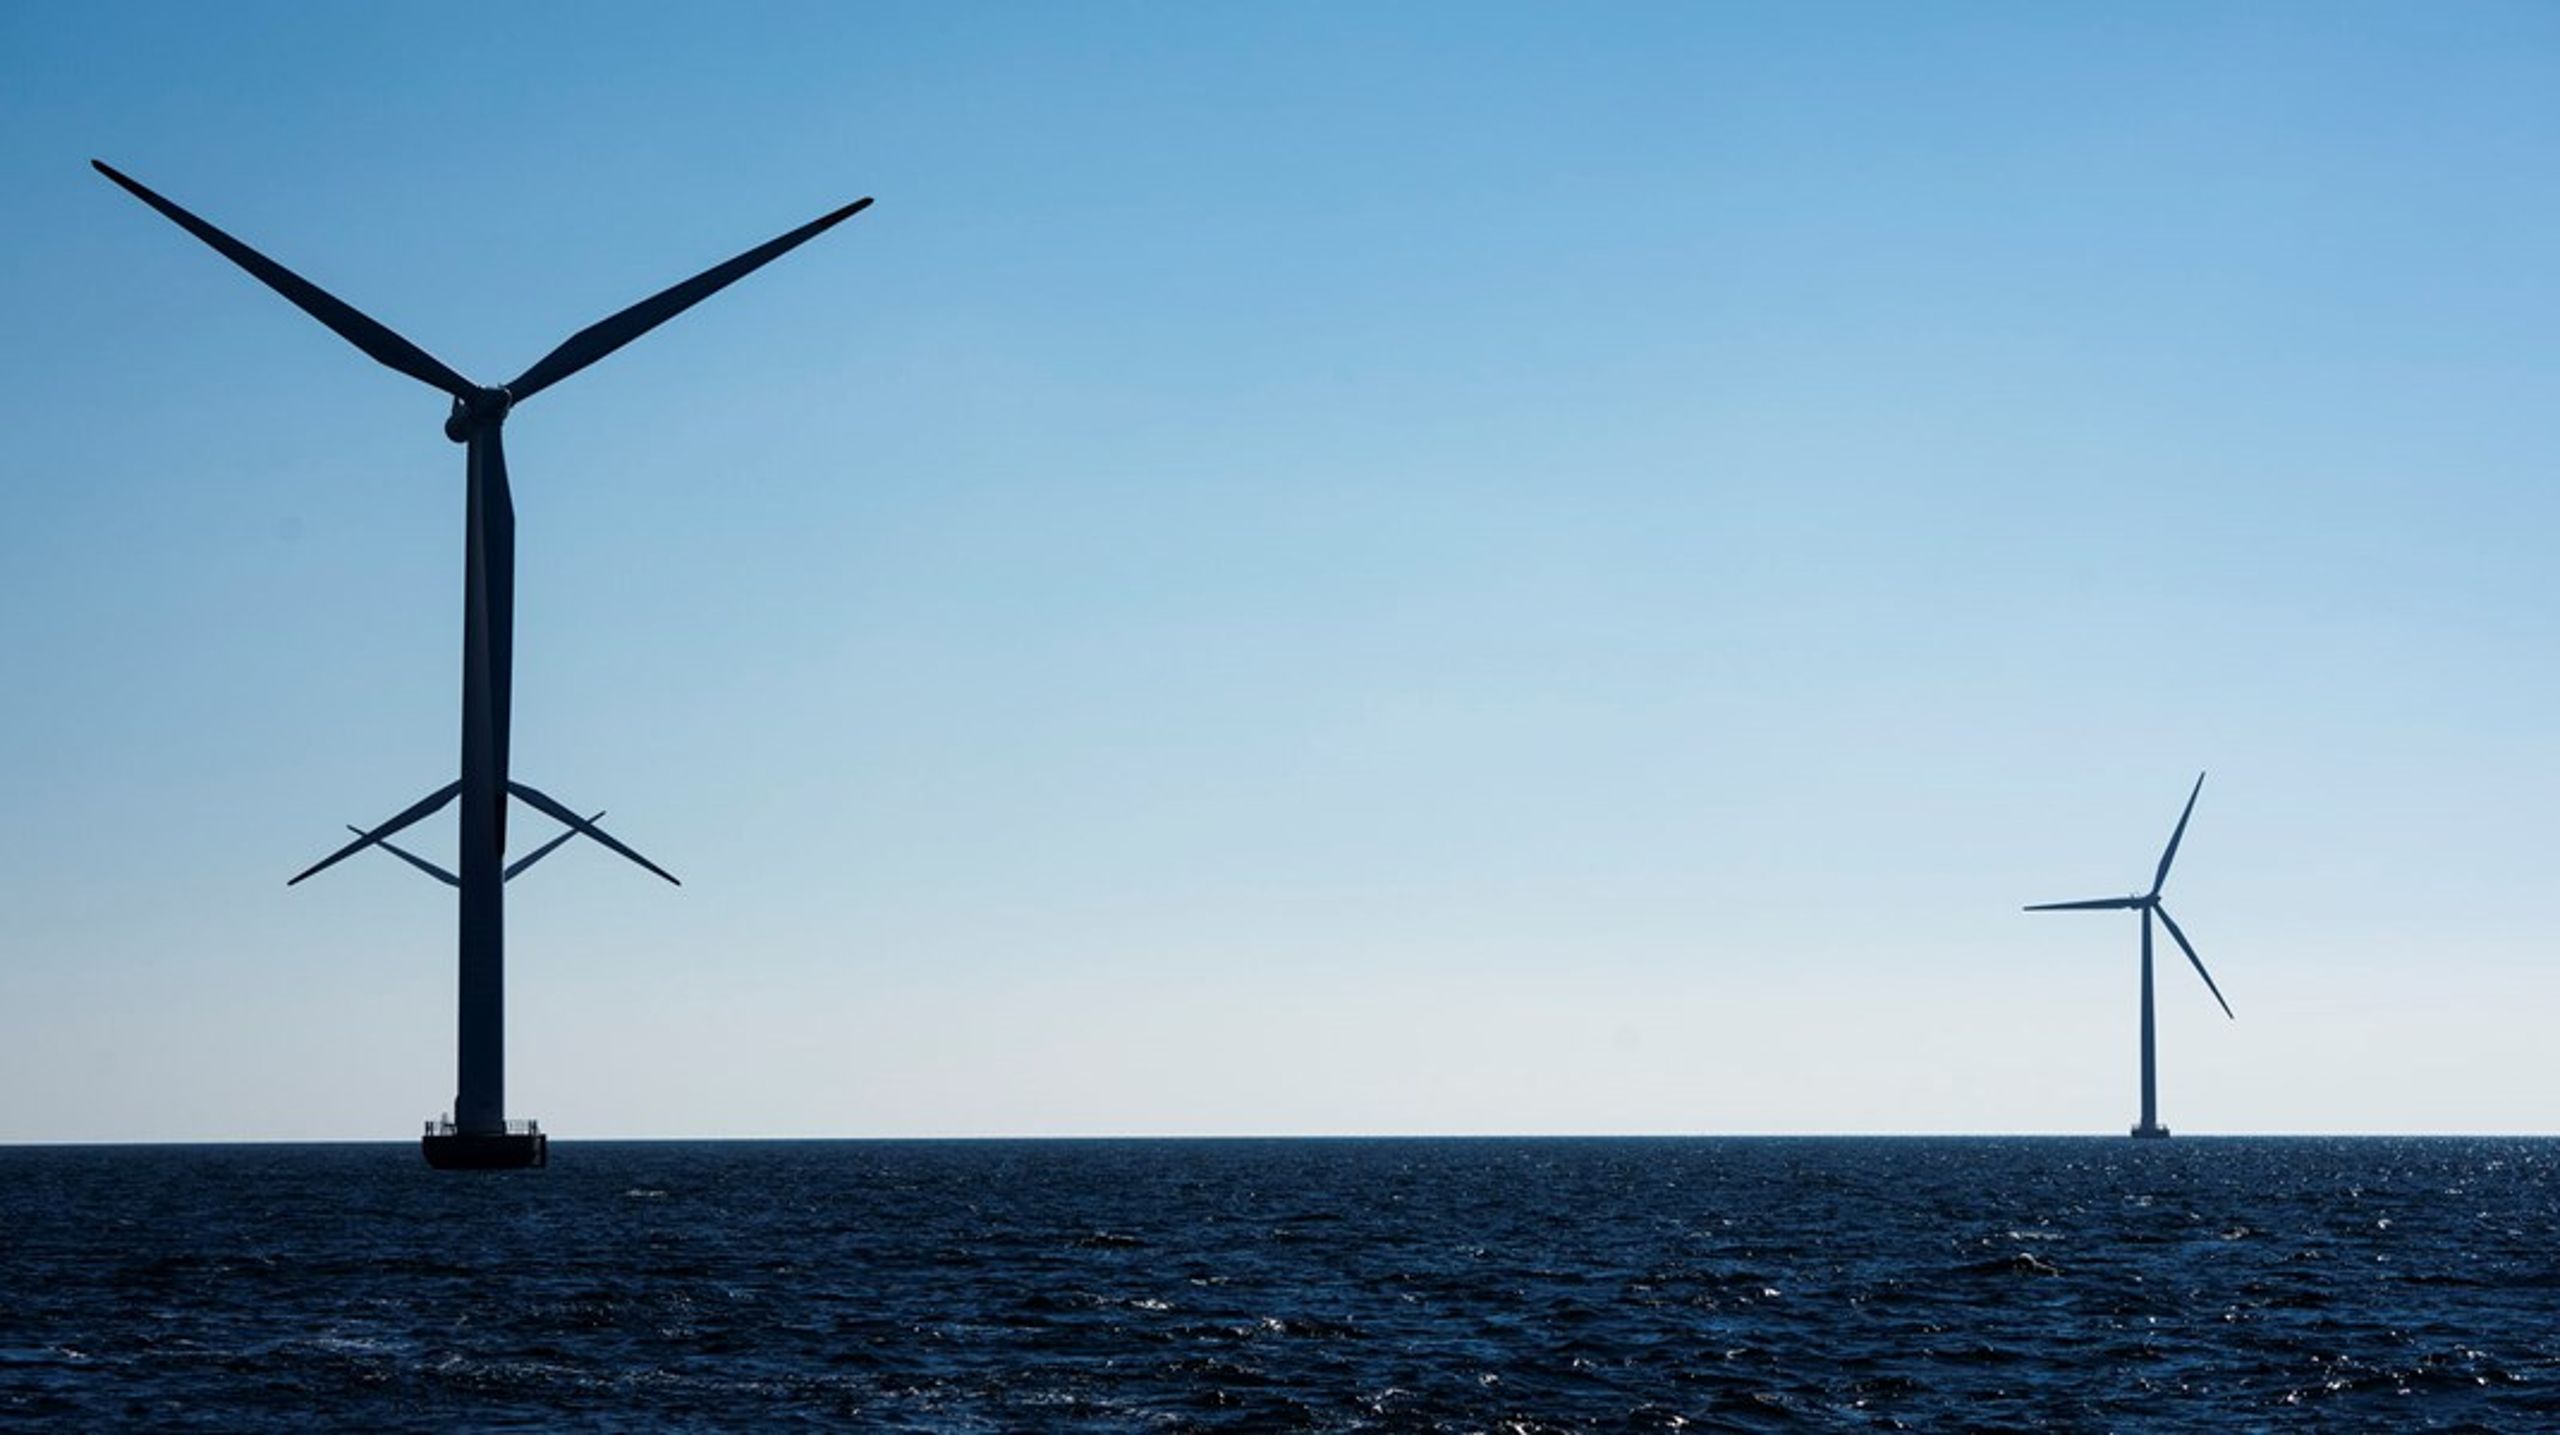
476, 1134
2148, 904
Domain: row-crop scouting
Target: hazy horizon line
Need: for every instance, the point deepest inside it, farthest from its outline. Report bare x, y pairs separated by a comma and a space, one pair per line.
1169, 1137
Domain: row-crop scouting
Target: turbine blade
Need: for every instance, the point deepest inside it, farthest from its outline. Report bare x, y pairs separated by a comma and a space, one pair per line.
412, 858
599, 339
2170, 853
2189, 949
545, 850
2099, 904
365, 333
420, 808
563, 814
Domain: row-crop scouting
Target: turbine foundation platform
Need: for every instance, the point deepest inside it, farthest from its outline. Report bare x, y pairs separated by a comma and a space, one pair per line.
519, 1147
2151, 1133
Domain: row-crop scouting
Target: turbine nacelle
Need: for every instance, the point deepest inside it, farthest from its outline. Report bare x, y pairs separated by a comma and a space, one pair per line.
480, 409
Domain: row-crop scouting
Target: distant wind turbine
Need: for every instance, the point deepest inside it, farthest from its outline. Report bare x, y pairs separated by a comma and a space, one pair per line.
478, 1135
2148, 904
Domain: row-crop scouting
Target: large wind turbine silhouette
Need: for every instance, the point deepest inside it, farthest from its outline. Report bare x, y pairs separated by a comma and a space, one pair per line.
2148, 904
478, 1135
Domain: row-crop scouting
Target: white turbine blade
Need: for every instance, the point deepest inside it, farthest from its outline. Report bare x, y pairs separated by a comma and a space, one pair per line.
421, 808
545, 850
412, 858
553, 808
2189, 949
2169, 854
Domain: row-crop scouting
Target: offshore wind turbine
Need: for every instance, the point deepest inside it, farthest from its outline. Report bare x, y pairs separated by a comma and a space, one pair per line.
476, 1134
2148, 904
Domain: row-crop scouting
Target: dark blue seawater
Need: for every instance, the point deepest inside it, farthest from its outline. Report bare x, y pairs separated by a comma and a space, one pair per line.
1279, 1285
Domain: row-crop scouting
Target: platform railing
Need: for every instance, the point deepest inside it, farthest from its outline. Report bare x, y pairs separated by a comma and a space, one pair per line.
443, 1126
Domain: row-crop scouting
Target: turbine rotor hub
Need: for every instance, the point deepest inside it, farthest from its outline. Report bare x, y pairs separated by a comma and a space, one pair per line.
484, 409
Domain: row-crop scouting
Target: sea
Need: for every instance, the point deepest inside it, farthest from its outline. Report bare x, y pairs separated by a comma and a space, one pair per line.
1324, 1285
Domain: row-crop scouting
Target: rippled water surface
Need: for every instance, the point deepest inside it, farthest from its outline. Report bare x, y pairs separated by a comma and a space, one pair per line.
1321, 1285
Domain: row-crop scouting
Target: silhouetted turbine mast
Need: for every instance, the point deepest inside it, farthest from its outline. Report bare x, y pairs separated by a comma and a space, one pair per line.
479, 1133
2148, 904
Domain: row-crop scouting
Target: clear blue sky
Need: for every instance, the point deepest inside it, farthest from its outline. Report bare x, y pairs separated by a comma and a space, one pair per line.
1467, 568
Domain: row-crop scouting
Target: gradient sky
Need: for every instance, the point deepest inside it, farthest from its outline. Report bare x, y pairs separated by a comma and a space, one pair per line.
1307, 569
